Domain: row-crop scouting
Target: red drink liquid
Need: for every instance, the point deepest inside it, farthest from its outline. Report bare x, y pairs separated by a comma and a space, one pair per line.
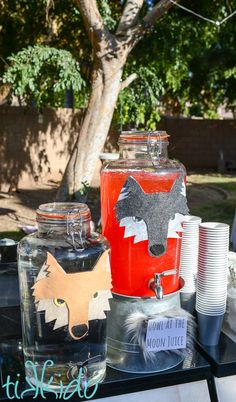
131, 266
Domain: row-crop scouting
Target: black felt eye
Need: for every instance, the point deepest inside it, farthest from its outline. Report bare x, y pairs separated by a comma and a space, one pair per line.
136, 219
95, 295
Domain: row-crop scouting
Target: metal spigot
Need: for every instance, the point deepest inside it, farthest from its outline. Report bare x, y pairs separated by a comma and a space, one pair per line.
155, 284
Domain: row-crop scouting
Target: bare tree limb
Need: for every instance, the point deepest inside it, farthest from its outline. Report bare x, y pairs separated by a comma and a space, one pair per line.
149, 20
50, 4
129, 15
157, 12
93, 22
124, 84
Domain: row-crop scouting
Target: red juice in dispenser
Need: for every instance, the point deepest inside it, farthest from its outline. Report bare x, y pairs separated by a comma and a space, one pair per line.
143, 202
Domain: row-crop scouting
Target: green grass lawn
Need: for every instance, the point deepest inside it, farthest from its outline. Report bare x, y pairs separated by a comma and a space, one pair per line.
222, 210
209, 208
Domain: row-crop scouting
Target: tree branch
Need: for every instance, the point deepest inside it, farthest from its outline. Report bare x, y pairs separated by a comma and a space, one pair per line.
157, 12
129, 15
149, 20
124, 84
93, 22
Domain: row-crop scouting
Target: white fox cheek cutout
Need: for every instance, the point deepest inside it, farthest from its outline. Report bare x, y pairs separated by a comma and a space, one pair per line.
52, 312
98, 305
138, 229
134, 228
61, 316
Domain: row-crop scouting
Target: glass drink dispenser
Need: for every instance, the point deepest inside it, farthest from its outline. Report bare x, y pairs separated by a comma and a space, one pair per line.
143, 202
65, 286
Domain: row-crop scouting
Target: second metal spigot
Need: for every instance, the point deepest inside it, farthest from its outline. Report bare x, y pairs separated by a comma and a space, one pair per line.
155, 284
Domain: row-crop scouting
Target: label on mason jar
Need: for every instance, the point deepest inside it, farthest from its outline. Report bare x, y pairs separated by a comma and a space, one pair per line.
152, 216
73, 299
164, 333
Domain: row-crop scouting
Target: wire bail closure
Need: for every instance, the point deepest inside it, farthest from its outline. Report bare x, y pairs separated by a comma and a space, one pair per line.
154, 147
73, 227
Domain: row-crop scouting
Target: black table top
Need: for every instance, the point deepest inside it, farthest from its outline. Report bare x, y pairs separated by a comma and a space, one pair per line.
193, 368
222, 357
219, 360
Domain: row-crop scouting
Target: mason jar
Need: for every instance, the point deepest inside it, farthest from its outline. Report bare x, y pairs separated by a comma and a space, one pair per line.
143, 202
65, 286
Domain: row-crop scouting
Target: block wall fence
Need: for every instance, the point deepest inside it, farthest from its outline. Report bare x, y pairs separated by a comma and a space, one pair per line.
35, 148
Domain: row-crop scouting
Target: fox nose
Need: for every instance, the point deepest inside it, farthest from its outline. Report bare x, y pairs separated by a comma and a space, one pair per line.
79, 330
157, 250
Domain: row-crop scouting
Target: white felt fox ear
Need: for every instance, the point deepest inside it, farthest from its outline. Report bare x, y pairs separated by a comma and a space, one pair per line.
53, 267
132, 185
178, 184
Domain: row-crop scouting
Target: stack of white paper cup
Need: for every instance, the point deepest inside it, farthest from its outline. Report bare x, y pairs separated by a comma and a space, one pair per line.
189, 253
189, 261
212, 280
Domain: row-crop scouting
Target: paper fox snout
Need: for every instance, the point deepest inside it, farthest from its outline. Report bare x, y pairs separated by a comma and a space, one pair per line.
73, 298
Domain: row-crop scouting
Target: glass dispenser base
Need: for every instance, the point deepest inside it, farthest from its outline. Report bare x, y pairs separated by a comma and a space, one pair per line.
123, 352
131, 360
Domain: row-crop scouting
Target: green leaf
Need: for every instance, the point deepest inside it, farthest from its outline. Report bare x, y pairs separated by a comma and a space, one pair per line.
38, 71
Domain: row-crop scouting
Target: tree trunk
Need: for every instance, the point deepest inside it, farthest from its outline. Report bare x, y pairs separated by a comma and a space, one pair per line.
110, 54
106, 85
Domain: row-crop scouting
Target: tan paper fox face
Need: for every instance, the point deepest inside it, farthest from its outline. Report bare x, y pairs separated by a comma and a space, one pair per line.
73, 299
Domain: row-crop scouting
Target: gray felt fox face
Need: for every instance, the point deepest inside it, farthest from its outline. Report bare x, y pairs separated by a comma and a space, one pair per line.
151, 216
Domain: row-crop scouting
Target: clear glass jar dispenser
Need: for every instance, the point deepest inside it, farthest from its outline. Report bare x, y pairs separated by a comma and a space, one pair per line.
65, 289
143, 201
